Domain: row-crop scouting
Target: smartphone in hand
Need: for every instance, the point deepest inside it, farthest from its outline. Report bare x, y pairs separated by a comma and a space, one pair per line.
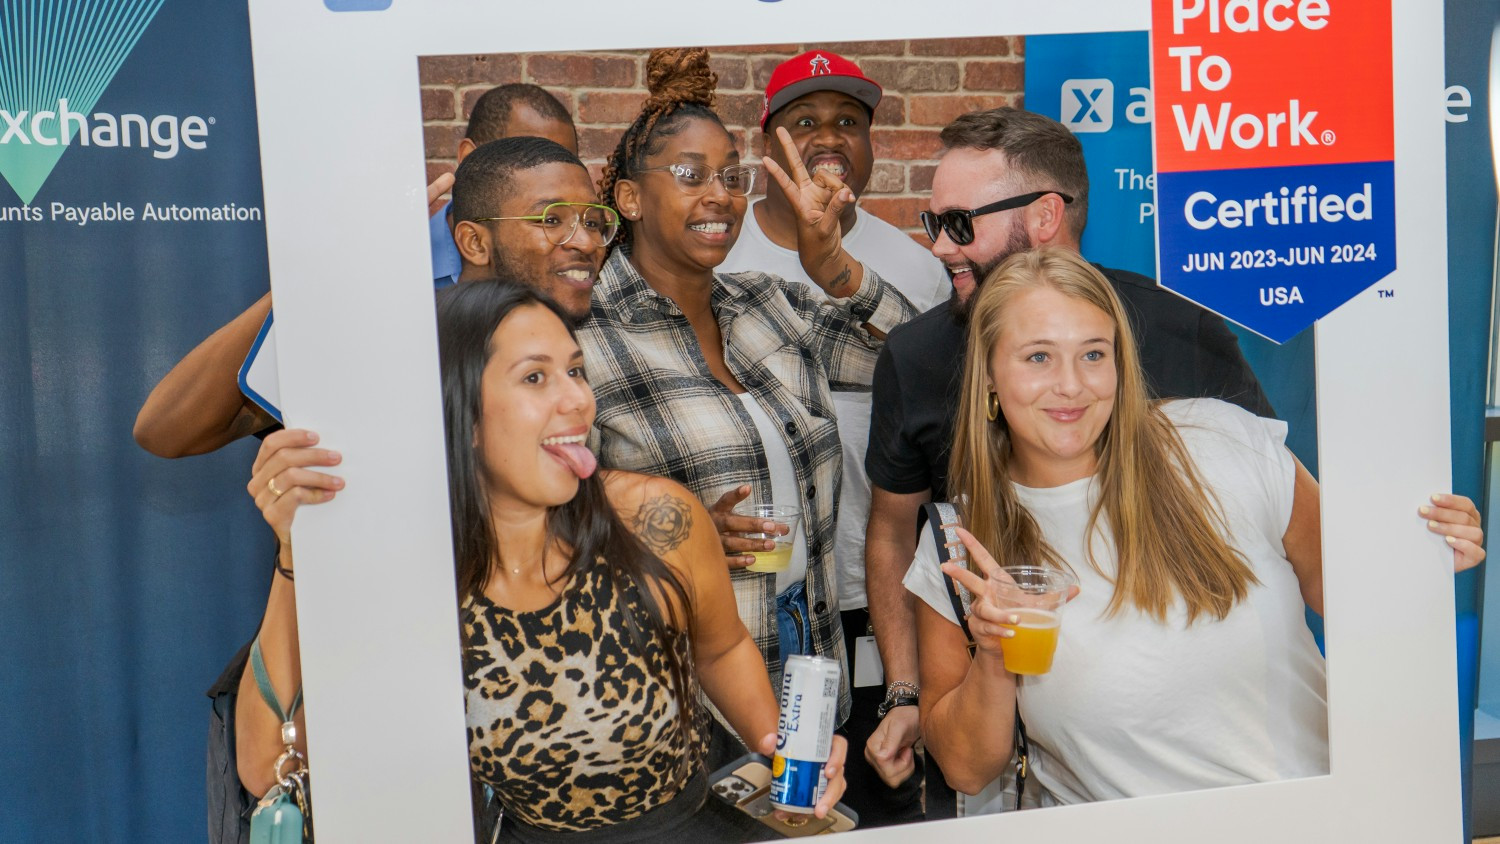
745, 784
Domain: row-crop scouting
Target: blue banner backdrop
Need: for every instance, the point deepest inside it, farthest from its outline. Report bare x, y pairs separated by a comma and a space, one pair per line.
126, 581
1090, 82
1098, 85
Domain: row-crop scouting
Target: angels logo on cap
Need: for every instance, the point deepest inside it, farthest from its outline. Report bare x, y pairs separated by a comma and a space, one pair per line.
817, 70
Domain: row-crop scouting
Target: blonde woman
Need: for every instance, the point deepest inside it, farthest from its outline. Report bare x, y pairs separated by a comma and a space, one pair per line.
1194, 535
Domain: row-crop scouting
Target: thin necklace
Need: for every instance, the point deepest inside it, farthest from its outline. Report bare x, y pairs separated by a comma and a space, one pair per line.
540, 559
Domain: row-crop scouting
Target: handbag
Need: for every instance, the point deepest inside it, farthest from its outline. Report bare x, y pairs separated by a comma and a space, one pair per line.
941, 518
231, 807
278, 817
283, 815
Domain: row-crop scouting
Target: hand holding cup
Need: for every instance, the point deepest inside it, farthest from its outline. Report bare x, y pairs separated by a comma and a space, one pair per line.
784, 519
1014, 614
742, 534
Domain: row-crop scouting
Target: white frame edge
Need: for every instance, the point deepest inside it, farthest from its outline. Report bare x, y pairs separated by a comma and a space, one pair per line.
344, 214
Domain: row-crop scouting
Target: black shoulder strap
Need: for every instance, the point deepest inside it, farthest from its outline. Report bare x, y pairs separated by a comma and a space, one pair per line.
941, 517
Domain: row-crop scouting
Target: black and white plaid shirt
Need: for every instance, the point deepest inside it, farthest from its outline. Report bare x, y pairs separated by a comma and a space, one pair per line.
661, 412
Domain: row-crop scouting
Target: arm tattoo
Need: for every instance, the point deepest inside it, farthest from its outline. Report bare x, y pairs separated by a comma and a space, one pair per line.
246, 422
662, 523
839, 280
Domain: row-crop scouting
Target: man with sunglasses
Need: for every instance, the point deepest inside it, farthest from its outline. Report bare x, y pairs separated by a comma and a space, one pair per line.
1009, 180
826, 103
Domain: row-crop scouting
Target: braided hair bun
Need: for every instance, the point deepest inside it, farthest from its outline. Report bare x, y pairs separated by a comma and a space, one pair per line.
677, 76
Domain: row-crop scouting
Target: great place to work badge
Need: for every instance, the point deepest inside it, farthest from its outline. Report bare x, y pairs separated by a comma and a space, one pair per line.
1274, 155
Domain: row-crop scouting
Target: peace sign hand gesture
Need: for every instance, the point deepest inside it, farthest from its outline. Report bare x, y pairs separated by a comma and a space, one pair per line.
818, 201
990, 617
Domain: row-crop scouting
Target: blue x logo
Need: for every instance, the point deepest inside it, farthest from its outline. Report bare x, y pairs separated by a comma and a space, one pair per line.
1088, 105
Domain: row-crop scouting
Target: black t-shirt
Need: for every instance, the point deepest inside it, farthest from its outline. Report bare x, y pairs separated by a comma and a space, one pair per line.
1186, 352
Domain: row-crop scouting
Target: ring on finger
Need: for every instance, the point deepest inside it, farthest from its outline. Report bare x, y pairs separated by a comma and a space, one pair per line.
271, 485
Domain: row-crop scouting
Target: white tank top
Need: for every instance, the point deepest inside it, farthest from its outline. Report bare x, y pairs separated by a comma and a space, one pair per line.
783, 487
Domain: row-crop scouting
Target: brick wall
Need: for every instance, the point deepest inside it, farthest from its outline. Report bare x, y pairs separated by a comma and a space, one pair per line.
927, 84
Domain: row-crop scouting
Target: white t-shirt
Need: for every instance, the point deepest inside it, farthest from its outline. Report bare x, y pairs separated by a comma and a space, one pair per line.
921, 278
1133, 707
783, 486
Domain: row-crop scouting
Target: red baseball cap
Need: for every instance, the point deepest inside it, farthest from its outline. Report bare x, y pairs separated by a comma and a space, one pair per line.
817, 70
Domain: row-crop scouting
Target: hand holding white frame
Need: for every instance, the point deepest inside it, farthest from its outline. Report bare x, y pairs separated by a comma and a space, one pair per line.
345, 212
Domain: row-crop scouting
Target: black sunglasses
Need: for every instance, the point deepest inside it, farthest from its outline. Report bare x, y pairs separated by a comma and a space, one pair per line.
959, 222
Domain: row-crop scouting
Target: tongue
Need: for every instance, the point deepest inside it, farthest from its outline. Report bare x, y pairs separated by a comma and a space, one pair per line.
579, 460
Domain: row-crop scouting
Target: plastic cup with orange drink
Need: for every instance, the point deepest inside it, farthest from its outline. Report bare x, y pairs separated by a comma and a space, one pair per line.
1034, 595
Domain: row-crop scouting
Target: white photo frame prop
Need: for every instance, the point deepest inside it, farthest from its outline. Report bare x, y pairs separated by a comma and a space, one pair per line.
341, 153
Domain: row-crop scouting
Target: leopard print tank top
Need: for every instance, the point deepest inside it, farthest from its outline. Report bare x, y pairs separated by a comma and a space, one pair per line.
572, 724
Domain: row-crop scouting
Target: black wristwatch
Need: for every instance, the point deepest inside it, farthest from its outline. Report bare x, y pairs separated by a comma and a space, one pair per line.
899, 693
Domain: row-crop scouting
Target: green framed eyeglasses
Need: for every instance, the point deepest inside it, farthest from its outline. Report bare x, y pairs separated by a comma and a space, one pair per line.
560, 221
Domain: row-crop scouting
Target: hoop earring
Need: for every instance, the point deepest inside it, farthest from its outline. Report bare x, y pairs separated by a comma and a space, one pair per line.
992, 406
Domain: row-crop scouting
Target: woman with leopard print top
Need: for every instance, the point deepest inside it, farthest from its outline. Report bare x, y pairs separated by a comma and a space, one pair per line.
594, 605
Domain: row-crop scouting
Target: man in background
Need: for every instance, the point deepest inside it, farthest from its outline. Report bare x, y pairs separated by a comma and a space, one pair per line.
508, 111
826, 104
197, 407
1009, 180
525, 208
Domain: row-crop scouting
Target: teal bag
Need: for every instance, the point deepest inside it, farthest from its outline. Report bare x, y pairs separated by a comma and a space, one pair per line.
282, 816
277, 819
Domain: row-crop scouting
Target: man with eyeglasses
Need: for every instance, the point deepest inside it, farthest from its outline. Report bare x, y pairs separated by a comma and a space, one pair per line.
524, 207
826, 103
1009, 180
517, 110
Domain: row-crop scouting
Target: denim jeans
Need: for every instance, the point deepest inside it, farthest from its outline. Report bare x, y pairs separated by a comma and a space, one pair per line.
793, 625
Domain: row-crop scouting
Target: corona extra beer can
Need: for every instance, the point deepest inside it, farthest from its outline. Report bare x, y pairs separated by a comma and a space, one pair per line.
804, 733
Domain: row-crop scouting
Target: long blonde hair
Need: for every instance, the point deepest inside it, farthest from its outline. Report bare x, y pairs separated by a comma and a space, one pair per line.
1168, 527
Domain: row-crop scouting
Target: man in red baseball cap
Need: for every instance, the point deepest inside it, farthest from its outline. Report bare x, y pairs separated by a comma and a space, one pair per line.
817, 70
825, 102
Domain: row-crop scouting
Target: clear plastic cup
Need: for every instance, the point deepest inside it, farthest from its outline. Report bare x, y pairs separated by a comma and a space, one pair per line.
1035, 595
780, 557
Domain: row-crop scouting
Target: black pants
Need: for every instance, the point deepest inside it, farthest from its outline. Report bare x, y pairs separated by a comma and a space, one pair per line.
877, 803
942, 800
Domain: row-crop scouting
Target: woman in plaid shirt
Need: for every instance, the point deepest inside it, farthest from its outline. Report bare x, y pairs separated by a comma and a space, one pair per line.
722, 382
